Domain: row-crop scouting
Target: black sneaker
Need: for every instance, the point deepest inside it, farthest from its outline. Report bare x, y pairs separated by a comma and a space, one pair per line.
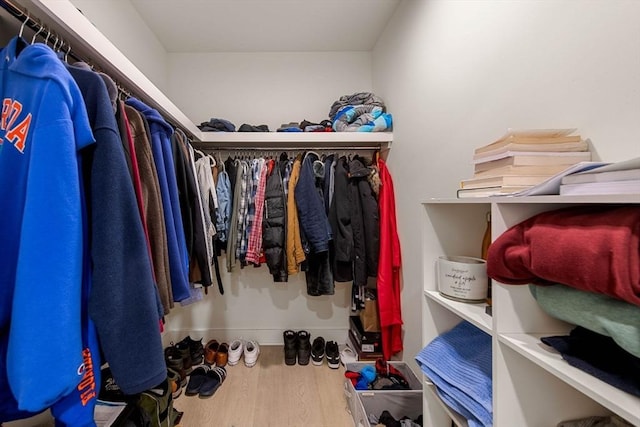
196, 349
317, 351
290, 347
304, 347
332, 354
178, 359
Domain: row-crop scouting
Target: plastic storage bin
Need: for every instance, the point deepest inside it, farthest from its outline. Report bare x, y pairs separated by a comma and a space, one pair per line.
400, 403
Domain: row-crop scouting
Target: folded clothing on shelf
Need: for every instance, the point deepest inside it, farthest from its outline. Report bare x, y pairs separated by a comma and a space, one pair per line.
458, 363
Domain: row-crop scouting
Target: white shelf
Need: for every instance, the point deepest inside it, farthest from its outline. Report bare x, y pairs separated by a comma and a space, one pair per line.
457, 419
532, 384
608, 198
618, 401
474, 313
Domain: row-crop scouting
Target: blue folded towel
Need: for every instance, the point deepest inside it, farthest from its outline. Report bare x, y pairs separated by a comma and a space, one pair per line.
458, 362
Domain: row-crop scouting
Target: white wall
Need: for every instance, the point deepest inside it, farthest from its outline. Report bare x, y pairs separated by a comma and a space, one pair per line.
457, 74
269, 88
121, 23
264, 88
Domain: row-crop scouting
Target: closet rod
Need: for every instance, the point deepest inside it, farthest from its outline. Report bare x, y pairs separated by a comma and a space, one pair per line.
24, 16
209, 147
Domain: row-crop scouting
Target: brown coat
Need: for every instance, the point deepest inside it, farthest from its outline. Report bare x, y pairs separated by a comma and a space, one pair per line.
152, 202
295, 253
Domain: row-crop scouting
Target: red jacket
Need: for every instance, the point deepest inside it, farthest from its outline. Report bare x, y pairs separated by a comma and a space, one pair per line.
389, 268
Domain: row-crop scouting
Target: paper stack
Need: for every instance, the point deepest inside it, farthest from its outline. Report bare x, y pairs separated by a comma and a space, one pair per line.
522, 159
615, 178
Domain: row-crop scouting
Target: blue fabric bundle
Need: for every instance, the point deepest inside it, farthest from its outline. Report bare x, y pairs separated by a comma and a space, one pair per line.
458, 362
362, 118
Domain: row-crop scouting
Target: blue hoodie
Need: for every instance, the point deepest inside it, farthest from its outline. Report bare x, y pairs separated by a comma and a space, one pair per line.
163, 158
43, 125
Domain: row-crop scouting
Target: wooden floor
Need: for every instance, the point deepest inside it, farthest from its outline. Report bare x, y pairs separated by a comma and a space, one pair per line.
271, 394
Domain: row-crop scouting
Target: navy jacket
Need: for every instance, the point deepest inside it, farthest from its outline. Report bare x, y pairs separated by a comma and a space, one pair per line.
123, 302
311, 213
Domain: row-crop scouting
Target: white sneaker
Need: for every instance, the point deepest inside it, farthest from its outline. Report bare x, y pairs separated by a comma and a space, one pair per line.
235, 352
347, 355
251, 352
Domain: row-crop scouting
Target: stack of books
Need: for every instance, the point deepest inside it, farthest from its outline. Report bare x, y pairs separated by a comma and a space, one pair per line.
522, 159
614, 178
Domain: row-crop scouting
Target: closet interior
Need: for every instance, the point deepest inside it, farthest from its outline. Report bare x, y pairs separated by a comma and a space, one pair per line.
452, 77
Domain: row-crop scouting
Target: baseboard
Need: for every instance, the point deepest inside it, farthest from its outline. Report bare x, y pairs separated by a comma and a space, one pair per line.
262, 336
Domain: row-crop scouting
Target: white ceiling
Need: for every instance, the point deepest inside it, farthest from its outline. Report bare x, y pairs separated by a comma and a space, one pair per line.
266, 25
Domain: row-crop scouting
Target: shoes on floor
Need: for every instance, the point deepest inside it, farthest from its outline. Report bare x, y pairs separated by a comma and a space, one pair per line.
176, 360
222, 356
194, 348
236, 349
317, 351
347, 355
210, 352
212, 382
332, 354
196, 379
304, 347
290, 347
175, 383
251, 353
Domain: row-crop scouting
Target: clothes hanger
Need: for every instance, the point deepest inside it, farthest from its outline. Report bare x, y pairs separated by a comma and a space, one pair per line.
33, 40
66, 55
23, 25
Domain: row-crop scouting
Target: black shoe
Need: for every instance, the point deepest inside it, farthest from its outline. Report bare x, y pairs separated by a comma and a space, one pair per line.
196, 349
304, 347
317, 351
178, 360
332, 354
290, 347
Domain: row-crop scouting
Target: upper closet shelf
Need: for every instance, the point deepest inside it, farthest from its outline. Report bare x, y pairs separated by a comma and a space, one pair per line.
89, 44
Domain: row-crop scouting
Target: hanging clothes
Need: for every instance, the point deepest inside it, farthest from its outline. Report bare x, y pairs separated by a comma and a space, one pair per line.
43, 127
390, 261
275, 219
192, 213
315, 227
151, 203
129, 333
294, 252
177, 248
254, 249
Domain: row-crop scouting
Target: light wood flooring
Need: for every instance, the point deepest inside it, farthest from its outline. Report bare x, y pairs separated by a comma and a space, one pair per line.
271, 394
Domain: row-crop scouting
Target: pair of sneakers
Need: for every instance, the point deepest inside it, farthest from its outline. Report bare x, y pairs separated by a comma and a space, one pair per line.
321, 350
249, 349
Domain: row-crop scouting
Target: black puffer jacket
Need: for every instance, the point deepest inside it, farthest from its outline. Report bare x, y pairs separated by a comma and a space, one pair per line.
365, 223
340, 220
273, 225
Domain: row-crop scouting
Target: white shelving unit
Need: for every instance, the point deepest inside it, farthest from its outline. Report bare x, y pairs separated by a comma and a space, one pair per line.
532, 384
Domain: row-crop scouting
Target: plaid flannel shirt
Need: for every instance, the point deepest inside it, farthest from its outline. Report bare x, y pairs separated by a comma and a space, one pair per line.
242, 210
255, 238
